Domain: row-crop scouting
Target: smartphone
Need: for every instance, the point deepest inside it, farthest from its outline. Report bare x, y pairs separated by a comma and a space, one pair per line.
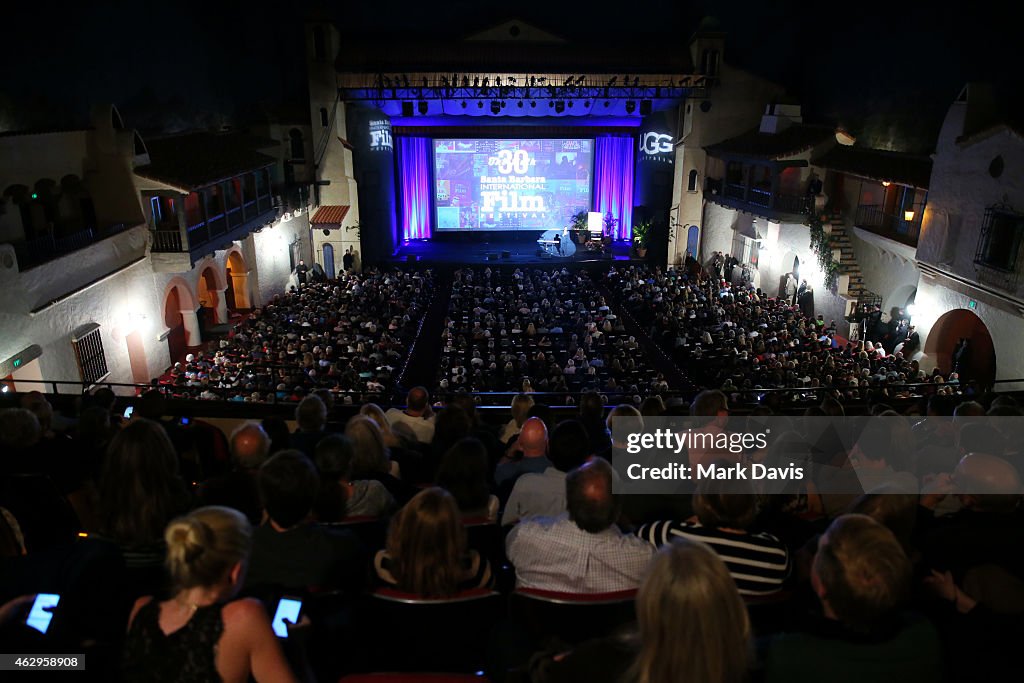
128, 412
184, 422
39, 617
287, 608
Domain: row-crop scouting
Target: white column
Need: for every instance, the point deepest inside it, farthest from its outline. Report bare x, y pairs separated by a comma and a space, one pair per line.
192, 335
222, 306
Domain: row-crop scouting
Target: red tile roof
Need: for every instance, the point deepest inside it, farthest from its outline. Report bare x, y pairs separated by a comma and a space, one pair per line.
330, 215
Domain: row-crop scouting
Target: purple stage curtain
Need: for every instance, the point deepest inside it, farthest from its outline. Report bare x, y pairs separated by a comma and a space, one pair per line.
414, 187
613, 180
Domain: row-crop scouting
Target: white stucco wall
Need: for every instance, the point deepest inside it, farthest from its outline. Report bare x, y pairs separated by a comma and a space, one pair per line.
888, 267
934, 298
268, 250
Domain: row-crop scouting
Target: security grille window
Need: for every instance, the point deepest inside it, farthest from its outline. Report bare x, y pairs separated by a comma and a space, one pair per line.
1001, 236
88, 345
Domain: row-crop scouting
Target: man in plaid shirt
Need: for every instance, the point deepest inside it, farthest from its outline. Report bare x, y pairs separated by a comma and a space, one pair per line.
580, 551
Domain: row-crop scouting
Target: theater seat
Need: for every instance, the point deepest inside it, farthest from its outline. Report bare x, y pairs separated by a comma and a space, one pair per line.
44, 515
432, 677
571, 618
407, 632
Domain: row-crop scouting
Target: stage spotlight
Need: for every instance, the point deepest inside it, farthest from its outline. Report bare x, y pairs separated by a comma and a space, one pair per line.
422, 106
520, 104
479, 104
533, 104
570, 104
607, 103
495, 107
646, 107
463, 104
407, 109
559, 107
630, 106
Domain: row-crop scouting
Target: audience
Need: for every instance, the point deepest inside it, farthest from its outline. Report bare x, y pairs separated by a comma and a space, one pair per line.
339, 495
250, 448
528, 453
463, 473
417, 415
543, 494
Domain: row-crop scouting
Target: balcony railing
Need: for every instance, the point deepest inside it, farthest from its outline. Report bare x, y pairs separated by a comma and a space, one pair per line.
167, 241
758, 200
202, 232
39, 250
873, 218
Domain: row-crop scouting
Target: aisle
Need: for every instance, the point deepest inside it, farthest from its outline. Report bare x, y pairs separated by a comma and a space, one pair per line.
421, 366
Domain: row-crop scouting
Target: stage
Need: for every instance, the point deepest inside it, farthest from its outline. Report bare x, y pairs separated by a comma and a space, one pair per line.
519, 251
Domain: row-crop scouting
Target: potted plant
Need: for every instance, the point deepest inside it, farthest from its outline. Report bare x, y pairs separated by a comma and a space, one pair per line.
641, 234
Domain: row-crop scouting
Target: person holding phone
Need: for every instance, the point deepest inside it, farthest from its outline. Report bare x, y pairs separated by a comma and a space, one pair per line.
202, 633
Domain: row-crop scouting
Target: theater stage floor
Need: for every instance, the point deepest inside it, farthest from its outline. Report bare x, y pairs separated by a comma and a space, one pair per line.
449, 252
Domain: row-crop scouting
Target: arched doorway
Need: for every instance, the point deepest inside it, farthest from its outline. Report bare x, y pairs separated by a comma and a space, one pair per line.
329, 261
209, 299
236, 294
172, 318
692, 239
978, 362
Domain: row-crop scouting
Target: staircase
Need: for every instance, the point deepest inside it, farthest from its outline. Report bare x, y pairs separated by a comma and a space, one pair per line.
850, 283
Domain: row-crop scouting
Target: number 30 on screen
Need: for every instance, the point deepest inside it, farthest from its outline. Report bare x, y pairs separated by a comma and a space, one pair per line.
508, 163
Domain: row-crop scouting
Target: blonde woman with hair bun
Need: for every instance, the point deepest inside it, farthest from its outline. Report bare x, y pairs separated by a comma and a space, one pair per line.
202, 633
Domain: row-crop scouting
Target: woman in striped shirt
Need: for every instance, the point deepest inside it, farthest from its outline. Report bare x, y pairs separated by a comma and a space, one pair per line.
724, 512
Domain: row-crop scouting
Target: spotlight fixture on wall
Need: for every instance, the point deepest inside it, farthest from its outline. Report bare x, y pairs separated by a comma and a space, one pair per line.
479, 104
559, 107
908, 215
495, 107
630, 106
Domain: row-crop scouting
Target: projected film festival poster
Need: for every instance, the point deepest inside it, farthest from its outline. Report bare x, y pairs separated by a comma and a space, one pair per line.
511, 184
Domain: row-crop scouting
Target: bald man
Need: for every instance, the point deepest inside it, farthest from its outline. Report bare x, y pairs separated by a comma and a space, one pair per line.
527, 454
250, 448
580, 550
417, 415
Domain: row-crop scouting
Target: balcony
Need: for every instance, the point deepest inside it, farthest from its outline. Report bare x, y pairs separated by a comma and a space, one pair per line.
37, 251
202, 236
874, 219
758, 200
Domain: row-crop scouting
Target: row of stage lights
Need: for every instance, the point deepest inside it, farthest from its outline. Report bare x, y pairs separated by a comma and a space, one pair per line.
511, 86
559, 106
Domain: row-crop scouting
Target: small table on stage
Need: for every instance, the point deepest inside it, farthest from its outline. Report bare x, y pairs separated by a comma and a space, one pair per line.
550, 246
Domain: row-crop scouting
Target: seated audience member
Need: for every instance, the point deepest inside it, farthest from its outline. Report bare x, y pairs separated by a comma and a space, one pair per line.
463, 473
861, 577
140, 492
528, 453
873, 462
713, 407
692, 625
426, 549
624, 414
250, 448
988, 528
289, 550
19, 434
896, 511
521, 405
725, 511
311, 417
581, 550
417, 415
544, 494
592, 417
202, 632
371, 458
340, 496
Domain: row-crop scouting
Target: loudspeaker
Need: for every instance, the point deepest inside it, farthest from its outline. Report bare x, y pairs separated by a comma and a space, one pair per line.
406, 108
410, 258
645, 107
506, 254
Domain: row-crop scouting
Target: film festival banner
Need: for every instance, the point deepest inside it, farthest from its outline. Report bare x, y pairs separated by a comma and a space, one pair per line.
837, 459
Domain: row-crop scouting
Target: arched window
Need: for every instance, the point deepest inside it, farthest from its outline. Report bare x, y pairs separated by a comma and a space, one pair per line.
691, 183
298, 147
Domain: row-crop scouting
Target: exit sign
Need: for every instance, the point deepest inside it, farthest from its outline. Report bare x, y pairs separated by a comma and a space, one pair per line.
972, 304
17, 362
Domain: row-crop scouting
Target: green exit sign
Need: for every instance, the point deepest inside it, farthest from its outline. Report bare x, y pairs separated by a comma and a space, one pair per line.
972, 304
17, 362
